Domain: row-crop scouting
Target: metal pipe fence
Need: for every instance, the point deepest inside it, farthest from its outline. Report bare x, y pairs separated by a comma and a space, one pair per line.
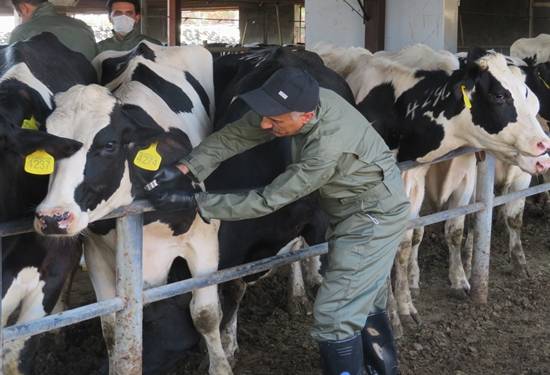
128, 304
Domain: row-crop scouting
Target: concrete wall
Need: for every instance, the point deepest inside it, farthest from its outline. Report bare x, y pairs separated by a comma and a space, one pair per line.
335, 22
261, 23
432, 22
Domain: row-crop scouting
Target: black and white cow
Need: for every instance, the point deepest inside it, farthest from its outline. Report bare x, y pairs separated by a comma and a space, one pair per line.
424, 114
534, 60
34, 269
160, 107
253, 239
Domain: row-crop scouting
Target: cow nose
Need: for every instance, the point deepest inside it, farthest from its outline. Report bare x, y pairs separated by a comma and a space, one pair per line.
543, 146
54, 224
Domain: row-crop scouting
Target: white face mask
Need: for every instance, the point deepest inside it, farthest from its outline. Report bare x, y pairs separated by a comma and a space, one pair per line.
123, 24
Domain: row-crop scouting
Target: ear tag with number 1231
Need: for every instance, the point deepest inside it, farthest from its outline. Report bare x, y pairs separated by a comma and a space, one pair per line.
148, 158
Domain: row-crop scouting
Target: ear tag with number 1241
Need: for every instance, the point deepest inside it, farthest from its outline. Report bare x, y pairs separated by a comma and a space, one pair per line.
148, 158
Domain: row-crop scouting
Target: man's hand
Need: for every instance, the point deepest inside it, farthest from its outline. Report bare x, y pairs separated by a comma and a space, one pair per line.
166, 176
173, 201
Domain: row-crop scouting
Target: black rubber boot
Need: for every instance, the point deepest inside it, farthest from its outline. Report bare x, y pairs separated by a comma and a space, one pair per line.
342, 357
379, 346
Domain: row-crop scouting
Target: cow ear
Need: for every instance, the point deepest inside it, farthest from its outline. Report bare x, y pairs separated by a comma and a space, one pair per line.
139, 127
28, 141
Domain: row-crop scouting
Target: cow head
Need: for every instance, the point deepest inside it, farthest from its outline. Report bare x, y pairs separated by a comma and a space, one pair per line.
501, 117
101, 176
537, 77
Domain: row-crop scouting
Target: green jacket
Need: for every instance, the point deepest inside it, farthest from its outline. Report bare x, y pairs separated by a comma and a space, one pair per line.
128, 42
73, 33
338, 153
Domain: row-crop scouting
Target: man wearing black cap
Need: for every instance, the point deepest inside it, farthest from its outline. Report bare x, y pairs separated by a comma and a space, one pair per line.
336, 151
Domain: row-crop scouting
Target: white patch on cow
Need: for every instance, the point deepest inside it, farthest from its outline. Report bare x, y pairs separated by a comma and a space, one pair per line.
531, 47
26, 290
22, 73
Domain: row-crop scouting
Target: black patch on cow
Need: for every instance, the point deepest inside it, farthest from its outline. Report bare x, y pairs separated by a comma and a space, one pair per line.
492, 105
56, 66
113, 67
104, 167
537, 78
175, 98
102, 227
200, 90
129, 124
378, 108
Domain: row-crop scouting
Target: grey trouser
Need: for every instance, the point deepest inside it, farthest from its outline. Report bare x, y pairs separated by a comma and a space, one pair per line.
363, 237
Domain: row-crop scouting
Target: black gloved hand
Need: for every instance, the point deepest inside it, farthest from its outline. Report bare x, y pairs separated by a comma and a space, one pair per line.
165, 177
173, 201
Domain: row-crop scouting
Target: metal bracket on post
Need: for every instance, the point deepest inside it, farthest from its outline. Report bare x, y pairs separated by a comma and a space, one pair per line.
482, 232
129, 287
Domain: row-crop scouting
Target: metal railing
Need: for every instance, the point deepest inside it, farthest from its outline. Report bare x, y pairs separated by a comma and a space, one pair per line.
128, 304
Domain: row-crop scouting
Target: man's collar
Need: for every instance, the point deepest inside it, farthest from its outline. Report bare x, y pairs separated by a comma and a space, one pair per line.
319, 112
132, 34
44, 9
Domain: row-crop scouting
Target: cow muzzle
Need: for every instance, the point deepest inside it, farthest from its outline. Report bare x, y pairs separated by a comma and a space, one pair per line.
53, 223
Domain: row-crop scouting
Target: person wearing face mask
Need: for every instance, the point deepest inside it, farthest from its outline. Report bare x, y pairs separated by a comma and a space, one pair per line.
39, 16
124, 15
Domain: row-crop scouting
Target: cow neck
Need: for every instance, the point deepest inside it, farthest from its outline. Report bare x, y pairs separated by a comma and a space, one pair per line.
430, 98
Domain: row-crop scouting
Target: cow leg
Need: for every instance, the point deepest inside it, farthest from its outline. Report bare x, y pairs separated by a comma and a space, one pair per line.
297, 301
513, 218
513, 213
311, 270
26, 291
414, 270
454, 230
233, 293
393, 314
468, 251
205, 304
414, 181
100, 260
405, 306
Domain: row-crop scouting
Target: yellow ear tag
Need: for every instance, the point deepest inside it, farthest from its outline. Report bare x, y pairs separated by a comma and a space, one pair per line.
543, 81
40, 163
30, 124
467, 101
148, 158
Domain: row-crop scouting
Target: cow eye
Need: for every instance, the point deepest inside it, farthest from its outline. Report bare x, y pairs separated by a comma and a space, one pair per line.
110, 147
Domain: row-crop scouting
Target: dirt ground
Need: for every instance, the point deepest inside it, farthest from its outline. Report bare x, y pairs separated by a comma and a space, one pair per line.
510, 335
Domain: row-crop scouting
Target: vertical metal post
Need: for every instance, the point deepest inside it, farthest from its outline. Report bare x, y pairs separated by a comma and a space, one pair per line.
278, 24
531, 21
129, 287
482, 231
143, 5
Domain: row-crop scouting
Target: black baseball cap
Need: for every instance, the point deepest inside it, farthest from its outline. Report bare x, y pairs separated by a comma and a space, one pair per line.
287, 90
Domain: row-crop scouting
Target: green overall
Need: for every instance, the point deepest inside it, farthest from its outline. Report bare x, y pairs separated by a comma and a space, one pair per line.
340, 154
73, 33
126, 43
